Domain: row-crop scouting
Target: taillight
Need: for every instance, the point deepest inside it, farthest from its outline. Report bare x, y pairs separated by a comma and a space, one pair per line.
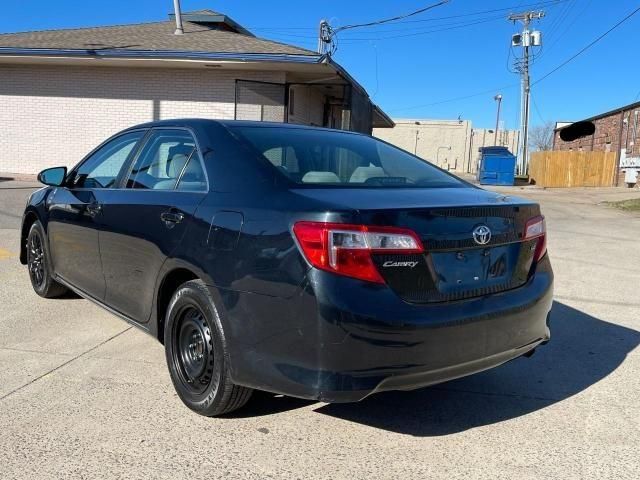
346, 249
537, 228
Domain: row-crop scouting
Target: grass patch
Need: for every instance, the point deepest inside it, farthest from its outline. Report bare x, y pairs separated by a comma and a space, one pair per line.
632, 205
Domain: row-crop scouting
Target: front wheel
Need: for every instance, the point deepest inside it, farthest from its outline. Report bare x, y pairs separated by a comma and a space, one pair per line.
196, 352
39, 264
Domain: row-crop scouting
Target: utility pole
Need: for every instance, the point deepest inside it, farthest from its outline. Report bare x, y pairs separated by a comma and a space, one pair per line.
497, 98
527, 39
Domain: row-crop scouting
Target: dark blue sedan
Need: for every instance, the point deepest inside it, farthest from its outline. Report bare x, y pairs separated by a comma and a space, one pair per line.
309, 262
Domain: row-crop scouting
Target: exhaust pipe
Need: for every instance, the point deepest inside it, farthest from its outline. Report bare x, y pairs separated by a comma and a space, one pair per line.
176, 8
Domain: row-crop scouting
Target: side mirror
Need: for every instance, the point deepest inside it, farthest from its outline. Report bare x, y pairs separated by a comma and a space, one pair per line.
53, 176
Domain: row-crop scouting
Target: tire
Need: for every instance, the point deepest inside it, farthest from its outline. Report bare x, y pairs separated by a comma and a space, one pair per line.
197, 355
39, 264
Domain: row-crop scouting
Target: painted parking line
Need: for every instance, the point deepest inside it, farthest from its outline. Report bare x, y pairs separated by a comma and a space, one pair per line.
4, 254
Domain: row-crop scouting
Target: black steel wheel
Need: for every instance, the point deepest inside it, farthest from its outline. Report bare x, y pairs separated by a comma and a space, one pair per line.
39, 264
193, 351
196, 352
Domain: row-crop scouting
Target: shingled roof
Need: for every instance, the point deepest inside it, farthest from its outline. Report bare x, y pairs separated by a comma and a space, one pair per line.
199, 36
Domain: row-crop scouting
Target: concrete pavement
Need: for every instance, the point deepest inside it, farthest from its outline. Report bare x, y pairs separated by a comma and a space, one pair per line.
83, 395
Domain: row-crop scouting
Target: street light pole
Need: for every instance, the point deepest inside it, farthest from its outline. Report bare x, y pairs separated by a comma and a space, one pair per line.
497, 98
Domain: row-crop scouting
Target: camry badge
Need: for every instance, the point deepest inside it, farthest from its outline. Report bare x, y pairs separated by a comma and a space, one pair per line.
399, 264
481, 234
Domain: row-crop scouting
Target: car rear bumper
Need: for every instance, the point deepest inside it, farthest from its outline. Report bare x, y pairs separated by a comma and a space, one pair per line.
399, 380
348, 339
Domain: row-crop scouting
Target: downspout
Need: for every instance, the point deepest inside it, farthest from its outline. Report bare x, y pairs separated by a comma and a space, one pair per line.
627, 129
619, 154
635, 127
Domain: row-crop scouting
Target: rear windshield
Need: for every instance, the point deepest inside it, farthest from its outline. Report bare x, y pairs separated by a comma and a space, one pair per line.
324, 157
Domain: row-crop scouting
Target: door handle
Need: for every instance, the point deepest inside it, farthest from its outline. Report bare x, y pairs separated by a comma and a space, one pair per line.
171, 218
94, 209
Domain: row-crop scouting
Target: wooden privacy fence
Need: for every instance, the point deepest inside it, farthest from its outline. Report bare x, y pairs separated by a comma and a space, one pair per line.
565, 168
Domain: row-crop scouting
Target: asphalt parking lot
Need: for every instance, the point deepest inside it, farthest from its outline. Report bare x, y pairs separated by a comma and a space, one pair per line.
83, 395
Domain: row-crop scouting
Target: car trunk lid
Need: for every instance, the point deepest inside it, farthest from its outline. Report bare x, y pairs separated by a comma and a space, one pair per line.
474, 240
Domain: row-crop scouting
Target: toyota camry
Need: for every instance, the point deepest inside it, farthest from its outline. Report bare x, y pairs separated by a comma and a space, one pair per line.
309, 262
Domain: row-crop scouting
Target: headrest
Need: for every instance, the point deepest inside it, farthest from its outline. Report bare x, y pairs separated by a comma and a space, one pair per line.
320, 177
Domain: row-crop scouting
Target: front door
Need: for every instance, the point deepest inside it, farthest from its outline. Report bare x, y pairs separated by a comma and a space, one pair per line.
75, 212
144, 222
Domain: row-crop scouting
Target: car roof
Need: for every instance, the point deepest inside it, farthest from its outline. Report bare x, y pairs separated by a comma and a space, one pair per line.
204, 122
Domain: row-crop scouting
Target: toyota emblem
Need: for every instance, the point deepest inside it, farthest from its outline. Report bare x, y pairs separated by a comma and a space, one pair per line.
481, 235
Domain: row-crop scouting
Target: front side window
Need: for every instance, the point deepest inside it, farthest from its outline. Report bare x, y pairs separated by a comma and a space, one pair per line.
103, 167
341, 159
169, 160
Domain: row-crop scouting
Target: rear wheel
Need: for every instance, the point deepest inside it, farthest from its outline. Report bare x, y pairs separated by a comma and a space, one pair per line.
39, 264
196, 352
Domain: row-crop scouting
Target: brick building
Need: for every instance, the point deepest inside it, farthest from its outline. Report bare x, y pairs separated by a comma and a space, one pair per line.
615, 131
64, 91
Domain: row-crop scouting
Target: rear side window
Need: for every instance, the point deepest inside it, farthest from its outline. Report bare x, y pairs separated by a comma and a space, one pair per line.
341, 159
169, 160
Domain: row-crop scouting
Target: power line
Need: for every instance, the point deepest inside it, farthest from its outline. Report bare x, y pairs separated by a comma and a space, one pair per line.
424, 32
560, 19
566, 30
402, 27
455, 99
411, 31
537, 4
587, 47
327, 35
535, 106
504, 9
392, 19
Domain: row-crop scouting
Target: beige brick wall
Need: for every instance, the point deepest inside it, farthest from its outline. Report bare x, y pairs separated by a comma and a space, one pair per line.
54, 115
444, 143
449, 144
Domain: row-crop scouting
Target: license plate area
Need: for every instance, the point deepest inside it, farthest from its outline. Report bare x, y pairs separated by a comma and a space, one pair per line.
471, 269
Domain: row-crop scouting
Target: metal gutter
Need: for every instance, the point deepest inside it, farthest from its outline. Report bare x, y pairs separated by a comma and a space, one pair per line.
161, 54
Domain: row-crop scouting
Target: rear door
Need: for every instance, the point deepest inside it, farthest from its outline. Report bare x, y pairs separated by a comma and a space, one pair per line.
145, 220
75, 214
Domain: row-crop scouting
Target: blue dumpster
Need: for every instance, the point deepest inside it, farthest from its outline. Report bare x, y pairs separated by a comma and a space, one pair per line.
497, 166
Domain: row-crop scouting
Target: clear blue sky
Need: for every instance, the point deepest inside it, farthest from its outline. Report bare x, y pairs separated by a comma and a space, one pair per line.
409, 75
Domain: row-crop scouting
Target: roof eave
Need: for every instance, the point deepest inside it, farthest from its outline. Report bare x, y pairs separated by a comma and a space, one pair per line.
160, 54
383, 120
624, 108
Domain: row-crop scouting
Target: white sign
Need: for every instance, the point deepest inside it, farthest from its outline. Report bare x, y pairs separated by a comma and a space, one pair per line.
628, 162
